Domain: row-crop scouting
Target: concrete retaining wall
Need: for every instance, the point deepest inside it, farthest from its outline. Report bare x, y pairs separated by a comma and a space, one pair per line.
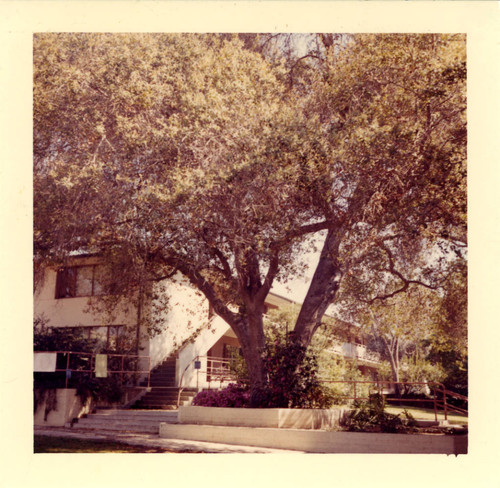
69, 407
283, 418
316, 441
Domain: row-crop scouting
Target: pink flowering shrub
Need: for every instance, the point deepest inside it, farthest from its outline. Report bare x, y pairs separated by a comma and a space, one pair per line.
235, 395
291, 382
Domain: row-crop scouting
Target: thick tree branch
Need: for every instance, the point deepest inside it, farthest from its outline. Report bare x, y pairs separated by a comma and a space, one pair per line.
300, 232
271, 274
405, 281
207, 289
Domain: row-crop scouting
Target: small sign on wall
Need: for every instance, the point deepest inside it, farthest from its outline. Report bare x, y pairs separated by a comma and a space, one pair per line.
101, 366
44, 362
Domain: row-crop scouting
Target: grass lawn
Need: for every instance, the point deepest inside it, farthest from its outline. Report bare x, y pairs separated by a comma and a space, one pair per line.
428, 414
49, 444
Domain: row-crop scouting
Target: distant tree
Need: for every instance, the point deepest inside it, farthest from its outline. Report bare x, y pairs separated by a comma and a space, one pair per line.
448, 345
404, 325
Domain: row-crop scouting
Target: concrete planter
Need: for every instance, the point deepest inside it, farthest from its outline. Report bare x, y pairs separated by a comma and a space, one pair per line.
280, 418
68, 407
299, 430
319, 441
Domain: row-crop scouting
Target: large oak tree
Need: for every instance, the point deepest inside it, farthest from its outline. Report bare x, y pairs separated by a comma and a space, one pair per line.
196, 154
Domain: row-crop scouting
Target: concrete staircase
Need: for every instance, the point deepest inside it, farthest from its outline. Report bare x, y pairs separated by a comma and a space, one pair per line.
164, 393
115, 420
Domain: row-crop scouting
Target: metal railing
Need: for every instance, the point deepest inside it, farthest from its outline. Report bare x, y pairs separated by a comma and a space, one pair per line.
438, 399
218, 370
84, 363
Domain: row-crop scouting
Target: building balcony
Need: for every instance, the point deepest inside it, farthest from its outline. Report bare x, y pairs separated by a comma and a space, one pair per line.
354, 351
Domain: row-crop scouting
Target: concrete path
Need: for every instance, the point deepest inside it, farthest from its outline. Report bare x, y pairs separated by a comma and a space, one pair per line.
153, 440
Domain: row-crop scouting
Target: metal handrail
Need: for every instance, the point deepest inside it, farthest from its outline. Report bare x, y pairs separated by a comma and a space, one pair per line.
210, 371
434, 385
458, 396
437, 388
91, 369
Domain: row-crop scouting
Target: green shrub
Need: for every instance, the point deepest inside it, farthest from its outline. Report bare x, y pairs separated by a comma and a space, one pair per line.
108, 390
371, 417
292, 379
59, 339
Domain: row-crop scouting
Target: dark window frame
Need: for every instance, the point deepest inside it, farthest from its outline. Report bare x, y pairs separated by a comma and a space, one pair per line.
67, 282
85, 331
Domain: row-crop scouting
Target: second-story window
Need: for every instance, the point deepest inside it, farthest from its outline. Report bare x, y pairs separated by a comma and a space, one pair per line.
80, 281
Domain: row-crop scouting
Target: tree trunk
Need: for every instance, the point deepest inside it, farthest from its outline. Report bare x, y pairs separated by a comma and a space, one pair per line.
393, 353
247, 324
328, 274
256, 374
250, 332
322, 290
395, 377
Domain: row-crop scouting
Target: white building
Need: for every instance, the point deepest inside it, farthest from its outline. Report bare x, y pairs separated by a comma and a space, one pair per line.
192, 350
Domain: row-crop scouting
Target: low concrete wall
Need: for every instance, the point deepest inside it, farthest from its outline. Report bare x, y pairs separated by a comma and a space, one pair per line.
284, 418
68, 407
316, 441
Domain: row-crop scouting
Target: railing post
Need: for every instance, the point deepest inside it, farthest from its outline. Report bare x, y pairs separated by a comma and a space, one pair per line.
354, 385
149, 371
121, 370
66, 372
435, 405
444, 403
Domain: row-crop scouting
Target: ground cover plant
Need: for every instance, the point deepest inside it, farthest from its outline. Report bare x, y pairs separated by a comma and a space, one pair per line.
371, 416
375, 416
428, 414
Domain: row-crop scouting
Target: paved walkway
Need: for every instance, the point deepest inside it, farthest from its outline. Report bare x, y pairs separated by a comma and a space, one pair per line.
153, 440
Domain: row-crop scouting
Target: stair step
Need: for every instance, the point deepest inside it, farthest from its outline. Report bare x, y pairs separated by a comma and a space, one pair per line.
117, 422
166, 393
163, 400
159, 404
145, 421
134, 415
150, 429
156, 406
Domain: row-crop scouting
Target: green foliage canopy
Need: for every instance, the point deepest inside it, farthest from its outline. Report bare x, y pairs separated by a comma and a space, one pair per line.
194, 153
